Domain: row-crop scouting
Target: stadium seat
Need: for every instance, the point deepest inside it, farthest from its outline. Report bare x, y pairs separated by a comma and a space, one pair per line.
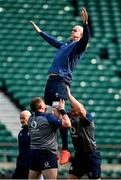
26, 57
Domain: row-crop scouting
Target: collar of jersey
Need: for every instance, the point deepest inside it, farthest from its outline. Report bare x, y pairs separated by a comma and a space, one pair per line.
38, 114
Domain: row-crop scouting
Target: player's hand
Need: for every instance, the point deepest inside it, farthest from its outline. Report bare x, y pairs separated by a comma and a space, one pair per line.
84, 16
38, 30
68, 90
61, 104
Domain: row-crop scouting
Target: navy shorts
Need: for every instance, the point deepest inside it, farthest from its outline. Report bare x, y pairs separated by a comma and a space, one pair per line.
42, 159
86, 163
55, 90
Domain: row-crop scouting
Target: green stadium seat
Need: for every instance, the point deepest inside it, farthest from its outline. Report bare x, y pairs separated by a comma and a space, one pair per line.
26, 57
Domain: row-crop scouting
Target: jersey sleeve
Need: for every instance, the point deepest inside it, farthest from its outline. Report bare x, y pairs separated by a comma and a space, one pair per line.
51, 40
82, 43
53, 120
69, 113
89, 117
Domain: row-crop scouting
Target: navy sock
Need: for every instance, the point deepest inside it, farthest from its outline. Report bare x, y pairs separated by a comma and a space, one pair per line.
64, 137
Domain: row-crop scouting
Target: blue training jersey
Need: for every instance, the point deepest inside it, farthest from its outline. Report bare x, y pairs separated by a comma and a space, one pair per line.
68, 54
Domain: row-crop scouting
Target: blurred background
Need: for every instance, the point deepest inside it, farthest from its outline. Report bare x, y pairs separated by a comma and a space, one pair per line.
25, 58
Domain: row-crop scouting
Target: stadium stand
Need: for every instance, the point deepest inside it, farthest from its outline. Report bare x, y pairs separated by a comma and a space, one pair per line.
26, 57
8, 145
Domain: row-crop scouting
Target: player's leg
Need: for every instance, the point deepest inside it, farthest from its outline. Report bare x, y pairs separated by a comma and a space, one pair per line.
54, 91
35, 164
65, 154
49, 165
50, 173
71, 176
34, 174
77, 168
94, 167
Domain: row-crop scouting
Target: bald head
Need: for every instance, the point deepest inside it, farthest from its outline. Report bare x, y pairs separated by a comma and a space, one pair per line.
24, 116
77, 33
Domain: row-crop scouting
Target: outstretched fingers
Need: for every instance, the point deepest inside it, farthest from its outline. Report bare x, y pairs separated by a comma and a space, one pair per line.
84, 16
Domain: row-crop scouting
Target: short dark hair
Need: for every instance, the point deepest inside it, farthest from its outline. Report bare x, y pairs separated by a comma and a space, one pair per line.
35, 103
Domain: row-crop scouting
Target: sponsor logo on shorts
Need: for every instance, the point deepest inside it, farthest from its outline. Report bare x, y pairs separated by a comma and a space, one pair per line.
46, 164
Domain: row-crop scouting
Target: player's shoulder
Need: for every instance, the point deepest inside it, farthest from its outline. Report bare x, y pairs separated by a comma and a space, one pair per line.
89, 117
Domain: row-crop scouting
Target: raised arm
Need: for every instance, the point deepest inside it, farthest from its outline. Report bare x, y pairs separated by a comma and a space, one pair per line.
50, 39
66, 123
82, 43
76, 104
61, 118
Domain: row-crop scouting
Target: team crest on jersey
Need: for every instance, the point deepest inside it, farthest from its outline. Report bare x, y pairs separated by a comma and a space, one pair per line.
34, 124
73, 130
